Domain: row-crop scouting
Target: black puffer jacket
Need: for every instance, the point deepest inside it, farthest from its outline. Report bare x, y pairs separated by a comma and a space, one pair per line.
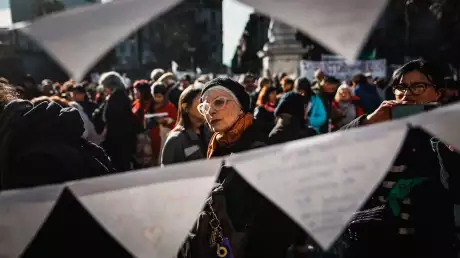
43, 145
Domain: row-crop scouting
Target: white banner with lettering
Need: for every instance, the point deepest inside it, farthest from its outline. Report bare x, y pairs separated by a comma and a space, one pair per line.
343, 71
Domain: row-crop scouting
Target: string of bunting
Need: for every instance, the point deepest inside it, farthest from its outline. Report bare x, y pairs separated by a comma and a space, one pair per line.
148, 213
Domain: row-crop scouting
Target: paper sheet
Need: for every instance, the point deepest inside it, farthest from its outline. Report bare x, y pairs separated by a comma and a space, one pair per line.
77, 38
22, 212
320, 182
442, 122
340, 25
150, 212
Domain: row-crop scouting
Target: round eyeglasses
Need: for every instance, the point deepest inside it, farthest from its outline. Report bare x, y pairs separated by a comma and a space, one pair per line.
218, 104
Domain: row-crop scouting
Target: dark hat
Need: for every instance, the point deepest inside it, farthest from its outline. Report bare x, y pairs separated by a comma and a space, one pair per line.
79, 87
302, 83
141, 84
237, 89
291, 103
158, 88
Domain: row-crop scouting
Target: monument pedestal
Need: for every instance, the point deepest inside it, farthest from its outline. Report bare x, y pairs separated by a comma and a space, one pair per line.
283, 52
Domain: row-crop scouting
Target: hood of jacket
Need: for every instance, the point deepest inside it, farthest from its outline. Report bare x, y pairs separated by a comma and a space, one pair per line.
23, 124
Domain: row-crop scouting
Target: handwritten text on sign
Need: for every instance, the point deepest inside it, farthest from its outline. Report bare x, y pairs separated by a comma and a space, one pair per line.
342, 70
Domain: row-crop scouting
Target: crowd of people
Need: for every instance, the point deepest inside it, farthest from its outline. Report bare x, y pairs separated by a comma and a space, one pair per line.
52, 133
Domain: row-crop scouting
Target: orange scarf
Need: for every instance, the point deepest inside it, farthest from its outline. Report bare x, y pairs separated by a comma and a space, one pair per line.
232, 135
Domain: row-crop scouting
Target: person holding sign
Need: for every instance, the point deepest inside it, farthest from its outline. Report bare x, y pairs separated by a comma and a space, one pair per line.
421, 187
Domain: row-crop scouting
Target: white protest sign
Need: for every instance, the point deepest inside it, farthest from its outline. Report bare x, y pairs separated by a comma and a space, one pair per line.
150, 212
343, 71
325, 57
320, 182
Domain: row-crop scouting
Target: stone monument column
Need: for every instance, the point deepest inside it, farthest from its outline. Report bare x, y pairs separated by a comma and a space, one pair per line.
283, 52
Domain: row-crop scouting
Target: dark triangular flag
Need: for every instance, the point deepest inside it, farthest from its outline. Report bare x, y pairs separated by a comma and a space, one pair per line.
70, 231
149, 212
22, 212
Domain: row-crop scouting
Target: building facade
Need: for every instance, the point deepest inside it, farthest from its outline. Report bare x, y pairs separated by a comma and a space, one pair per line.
189, 34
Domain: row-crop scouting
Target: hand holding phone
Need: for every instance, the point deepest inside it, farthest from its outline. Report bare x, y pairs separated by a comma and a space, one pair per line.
382, 113
401, 111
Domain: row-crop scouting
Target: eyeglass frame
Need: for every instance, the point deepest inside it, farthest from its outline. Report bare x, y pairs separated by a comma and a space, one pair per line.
202, 104
408, 87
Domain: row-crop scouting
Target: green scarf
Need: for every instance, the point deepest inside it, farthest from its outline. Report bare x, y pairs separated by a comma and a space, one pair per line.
400, 191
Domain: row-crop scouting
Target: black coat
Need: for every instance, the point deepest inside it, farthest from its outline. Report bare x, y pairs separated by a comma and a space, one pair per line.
120, 140
269, 232
43, 145
265, 119
289, 129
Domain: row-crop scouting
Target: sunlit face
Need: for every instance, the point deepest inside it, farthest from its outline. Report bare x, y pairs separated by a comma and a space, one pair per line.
193, 110
415, 88
330, 88
287, 87
137, 93
158, 98
344, 94
249, 85
184, 84
221, 111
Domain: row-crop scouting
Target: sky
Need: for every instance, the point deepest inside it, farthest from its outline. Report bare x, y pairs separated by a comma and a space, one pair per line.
235, 15
5, 14
234, 18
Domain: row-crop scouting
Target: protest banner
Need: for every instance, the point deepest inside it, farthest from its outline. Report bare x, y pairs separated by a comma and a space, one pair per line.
343, 71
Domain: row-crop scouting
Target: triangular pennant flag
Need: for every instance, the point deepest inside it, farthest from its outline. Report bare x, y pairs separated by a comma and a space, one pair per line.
150, 212
70, 231
321, 182
77, 38
340, 25
442, 123
22, 212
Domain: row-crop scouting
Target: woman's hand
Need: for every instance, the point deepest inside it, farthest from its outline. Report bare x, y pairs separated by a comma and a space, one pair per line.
382, 113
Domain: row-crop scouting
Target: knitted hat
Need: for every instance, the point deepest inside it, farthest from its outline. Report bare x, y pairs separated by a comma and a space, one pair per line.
234, 87
291, 103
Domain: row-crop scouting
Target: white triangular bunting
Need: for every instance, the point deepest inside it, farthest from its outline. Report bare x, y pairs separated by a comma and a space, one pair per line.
77, 38
22, 213
150, 212
442, 123
340, 25
321, 182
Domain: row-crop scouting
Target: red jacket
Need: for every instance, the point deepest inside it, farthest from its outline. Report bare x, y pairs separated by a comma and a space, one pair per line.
157, 139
